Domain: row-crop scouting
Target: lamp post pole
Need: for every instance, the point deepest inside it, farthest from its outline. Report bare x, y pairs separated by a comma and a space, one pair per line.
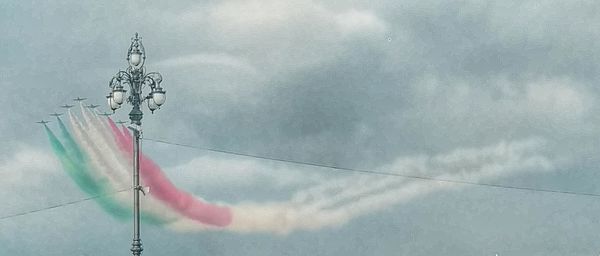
136, 78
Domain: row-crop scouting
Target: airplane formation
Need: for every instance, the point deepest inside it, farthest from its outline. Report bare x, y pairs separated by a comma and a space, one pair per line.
68, 106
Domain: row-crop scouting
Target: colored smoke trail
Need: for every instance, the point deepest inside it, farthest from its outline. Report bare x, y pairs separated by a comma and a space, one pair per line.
119, 137
330, 203
71, 147
104, 169
150, 206
164, 190
74, 169
91, 135
108, 164
89, 168
77, 169
102, 160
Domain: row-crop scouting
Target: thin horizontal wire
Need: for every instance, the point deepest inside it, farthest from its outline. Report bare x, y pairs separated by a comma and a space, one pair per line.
62, 204
382, 173
332, 167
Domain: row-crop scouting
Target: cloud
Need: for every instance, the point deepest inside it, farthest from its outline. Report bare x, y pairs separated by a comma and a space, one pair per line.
30, 178
28, 165
243, 16
209, 59
219, 172
240, 15
558, 99
331, 89
355, 21
281, 37
500, 106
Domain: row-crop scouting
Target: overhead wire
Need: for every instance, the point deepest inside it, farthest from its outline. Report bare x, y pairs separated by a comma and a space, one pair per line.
371, 172
62, 204
319, 165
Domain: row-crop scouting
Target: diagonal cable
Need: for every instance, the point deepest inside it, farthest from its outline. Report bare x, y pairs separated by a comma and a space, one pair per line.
381, 173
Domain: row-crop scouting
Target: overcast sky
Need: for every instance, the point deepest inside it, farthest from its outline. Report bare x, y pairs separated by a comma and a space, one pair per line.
360, 84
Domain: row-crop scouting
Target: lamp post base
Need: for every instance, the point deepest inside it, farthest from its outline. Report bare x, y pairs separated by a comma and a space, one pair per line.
136, 247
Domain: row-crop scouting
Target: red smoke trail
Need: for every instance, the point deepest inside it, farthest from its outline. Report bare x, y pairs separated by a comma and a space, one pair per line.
165, 191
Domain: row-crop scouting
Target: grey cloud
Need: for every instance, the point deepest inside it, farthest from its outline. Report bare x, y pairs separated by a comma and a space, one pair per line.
442, 75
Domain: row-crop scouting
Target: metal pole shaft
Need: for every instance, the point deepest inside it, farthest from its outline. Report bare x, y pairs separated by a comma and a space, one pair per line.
136, 248
135, 76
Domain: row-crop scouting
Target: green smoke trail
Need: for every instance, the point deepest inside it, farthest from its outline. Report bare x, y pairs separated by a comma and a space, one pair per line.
73, 154
71, 147
77, 171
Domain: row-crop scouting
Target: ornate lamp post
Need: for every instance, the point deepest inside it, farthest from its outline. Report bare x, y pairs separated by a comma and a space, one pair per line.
137, 79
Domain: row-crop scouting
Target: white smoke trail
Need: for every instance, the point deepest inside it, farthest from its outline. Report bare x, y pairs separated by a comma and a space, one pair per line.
337, 201
110, 163
339, 192
326, 206
103, 172
503, 160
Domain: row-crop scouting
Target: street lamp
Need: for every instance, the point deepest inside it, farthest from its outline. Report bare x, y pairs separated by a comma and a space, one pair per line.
137, 79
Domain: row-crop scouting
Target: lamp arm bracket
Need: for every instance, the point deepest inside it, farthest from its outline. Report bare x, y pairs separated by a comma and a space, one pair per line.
135, 127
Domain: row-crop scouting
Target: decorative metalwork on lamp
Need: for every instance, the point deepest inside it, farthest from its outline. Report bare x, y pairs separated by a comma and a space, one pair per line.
136, 78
